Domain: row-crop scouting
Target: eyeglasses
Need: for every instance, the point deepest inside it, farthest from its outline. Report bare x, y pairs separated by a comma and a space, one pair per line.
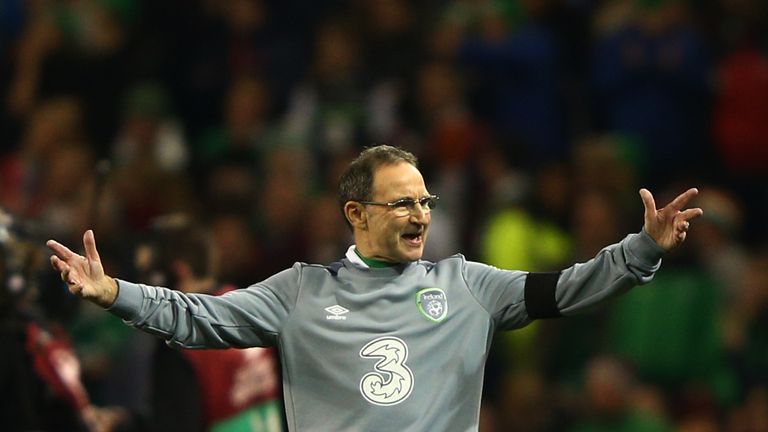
407, 206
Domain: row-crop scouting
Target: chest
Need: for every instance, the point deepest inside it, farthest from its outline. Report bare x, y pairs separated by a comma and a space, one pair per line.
424, 314
404, 304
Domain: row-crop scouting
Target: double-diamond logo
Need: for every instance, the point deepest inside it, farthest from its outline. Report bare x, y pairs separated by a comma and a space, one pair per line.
336, 312
432, 303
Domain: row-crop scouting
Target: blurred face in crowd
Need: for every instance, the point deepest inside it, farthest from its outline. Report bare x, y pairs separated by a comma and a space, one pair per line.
389, 235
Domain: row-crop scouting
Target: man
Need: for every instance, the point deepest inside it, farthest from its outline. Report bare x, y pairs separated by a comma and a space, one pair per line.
40, 377
381, 340
203, 390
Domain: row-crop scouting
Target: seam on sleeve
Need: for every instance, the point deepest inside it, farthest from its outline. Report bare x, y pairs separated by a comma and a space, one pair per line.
472, 294
298, 293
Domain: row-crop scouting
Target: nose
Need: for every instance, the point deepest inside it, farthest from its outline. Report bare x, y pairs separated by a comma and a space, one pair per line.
419, 215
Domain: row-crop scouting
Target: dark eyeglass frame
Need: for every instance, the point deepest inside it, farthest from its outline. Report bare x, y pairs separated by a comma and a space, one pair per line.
427, 203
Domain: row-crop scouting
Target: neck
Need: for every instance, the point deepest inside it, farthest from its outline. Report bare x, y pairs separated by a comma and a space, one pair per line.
373, 262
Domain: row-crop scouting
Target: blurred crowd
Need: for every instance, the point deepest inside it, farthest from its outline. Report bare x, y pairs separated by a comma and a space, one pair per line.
536, 121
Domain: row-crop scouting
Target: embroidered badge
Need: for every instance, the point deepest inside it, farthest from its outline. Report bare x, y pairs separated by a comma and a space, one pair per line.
432, 303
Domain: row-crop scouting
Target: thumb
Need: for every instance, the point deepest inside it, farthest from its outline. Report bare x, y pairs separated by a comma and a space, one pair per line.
648, 203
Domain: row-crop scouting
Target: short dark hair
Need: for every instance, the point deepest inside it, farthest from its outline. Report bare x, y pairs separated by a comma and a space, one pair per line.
356, 183
192, 245
176, 237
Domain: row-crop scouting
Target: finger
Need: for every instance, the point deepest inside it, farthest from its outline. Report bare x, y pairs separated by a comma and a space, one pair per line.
690, 214
60, 250
58, 264
75, 288
89, 241
682, 199
69, 276
648, 203
65, 276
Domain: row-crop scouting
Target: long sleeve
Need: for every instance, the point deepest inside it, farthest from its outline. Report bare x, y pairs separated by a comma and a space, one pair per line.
515, 298
248, 317
614, 270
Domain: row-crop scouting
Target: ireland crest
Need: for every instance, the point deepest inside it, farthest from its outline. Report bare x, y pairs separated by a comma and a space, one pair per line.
432, 303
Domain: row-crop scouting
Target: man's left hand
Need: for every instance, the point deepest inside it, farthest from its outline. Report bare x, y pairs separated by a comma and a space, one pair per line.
668, 226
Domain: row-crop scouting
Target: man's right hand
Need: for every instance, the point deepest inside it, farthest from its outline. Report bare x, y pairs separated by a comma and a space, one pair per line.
84, 274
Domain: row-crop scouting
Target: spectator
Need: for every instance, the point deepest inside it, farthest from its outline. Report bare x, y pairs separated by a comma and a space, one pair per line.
650, 79
612, 402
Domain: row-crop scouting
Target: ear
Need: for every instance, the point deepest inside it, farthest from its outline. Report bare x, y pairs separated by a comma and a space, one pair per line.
356, 215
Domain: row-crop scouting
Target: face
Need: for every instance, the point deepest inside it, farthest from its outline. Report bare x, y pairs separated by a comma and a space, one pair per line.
390, 237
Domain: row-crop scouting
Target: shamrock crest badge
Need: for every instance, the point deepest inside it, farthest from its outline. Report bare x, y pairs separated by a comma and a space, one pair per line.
432, 303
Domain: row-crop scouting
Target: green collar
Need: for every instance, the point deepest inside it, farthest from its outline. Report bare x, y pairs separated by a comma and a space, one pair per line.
374, 263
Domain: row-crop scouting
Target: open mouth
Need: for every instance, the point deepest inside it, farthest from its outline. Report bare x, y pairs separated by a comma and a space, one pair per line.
413, 238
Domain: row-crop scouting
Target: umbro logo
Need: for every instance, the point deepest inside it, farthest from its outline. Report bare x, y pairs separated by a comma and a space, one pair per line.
336, 312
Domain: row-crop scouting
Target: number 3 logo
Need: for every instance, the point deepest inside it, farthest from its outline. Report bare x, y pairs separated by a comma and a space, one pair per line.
392, 381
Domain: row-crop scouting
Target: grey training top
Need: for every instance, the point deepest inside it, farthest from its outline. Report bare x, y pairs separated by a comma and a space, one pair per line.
385, 349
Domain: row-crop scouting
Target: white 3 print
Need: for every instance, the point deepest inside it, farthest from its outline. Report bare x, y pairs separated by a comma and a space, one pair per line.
391, 380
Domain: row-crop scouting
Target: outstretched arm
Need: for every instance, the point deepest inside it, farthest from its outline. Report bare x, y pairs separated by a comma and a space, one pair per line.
241, 318
84, 275
668, 226
633, 261
515, 298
